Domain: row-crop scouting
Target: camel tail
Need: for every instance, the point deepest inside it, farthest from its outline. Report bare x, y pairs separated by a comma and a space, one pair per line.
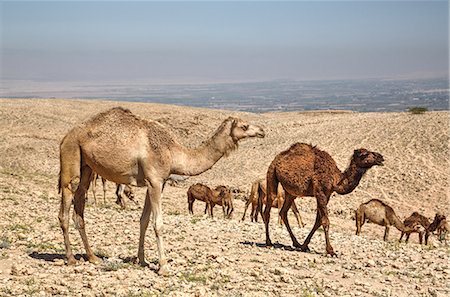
59, 183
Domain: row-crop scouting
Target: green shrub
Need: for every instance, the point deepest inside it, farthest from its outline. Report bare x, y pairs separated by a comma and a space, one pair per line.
417, 110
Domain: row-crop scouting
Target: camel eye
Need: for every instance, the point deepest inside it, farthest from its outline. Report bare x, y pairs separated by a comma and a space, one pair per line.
245, 127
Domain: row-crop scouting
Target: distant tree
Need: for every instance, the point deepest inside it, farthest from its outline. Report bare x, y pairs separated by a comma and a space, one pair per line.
417, 110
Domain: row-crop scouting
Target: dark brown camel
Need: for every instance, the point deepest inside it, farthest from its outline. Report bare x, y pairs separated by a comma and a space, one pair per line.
420, 222
304, 170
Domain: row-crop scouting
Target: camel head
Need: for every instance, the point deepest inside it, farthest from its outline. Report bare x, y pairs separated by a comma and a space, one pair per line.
241, 129
367, 159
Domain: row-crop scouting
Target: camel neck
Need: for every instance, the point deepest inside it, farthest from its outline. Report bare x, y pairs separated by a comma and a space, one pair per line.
187, 161
350, 179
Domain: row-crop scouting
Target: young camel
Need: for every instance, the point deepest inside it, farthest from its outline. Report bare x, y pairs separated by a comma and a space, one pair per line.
378, 212
304, 170
219, 196
442, 230
437, 223
223, 198
258, 198
128, 150
419, 222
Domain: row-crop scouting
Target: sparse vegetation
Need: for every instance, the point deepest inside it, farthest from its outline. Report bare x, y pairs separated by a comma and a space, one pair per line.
5, 243
417, 110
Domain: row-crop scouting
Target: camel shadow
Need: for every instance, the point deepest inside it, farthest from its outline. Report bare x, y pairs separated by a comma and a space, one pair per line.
275, 245
52, 257
280, 246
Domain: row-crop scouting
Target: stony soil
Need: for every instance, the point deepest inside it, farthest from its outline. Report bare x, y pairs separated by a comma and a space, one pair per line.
218, 257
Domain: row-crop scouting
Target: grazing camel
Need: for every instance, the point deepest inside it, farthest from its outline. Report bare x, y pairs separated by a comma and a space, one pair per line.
435, 225
378, 212
442, 231
420, 222
126, 149
219, 196
223, 198
304, 170
258, 198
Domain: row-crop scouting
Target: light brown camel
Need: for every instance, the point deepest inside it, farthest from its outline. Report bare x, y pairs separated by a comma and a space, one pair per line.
219, 196
128, 150
378, 212
417, 221
304, 170
258, 198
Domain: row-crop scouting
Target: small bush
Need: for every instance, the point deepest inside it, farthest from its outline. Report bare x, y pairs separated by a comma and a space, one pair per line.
417, 110
4, 243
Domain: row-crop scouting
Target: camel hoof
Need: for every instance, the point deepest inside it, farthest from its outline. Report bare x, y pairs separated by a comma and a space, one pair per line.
269, 243
71, 260
94, 260
304, 248
163, 271
332, 254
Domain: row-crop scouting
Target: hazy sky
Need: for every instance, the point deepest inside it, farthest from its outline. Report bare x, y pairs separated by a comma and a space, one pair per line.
223, 41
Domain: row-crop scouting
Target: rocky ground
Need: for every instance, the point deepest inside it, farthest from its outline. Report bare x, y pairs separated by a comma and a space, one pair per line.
218, 257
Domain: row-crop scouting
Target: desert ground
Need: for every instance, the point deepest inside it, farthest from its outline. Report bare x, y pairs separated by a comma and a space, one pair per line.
220, 257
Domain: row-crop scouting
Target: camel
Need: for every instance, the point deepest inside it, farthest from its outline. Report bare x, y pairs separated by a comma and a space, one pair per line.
120, 191
420, 222
305, 170
223, 198
442, 230
94, 186
126, 149
378, 212
435, 225
258, 198
219, 196
123, 191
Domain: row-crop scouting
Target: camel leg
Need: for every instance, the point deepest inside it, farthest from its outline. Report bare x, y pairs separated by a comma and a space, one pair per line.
360, 220
401, 236
289, 199
230, 210
247, 203
304, 247
104, 190
190, 204
157, 221
272, 185
152, 206
279, 206
427, 234
94, 187
78, 216
66, 203
297, 215
407, 237
421, 234
326, 227
386, 233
